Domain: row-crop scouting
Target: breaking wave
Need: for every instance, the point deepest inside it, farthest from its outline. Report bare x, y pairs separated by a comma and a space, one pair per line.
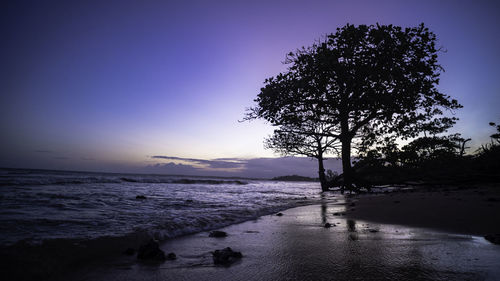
39, 206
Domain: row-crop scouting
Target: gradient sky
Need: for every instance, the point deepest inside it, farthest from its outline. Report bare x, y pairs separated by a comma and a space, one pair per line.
107, 85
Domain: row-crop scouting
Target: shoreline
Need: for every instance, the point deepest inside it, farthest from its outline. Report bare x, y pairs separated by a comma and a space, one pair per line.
58, 257
436, 213
297, 246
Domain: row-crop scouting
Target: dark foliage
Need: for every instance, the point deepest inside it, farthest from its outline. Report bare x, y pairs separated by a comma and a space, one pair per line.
436, 159
357, 88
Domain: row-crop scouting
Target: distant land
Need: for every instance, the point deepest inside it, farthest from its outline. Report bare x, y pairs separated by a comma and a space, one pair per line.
294, 178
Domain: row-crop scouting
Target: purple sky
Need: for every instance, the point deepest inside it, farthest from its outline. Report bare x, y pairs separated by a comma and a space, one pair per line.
107, 85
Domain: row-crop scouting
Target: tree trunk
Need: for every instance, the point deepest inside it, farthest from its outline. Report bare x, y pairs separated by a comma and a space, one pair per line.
345, 138
321, 173
346, 163
321, 168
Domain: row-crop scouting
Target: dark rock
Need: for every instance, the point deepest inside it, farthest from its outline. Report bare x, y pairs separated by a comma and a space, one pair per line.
339, 214
279, 214
352, 204
397, 201
328, 225
129, 252
491, 199
373, 230
171, 256
226, 256
151, 251
189, 201
217, 234
140, 197
493, 238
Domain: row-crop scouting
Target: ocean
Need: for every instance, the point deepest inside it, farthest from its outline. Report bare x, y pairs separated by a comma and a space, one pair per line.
41, 205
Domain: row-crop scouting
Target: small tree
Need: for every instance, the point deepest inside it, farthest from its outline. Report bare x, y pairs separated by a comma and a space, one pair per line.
307, 140
366, 81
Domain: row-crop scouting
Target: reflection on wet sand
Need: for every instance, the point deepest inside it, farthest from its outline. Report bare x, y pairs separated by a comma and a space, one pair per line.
357, 250
324, 208
297, 246
351, 225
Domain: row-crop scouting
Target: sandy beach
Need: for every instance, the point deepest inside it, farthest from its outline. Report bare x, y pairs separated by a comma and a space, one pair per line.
464, 210
373, 237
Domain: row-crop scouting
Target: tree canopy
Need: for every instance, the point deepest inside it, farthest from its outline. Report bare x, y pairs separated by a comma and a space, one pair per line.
359, 86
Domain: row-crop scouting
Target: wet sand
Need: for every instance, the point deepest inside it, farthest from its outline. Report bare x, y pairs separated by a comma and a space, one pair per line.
459, 210
296, 246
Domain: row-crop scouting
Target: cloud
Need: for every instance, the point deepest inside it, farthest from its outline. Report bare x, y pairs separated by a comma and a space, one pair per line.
221, 163
174, 169
242, 167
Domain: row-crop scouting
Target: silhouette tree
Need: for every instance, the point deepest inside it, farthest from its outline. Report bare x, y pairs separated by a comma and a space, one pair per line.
361, 84
431, 145
307, 140
493, 147
495, 138
435, 147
